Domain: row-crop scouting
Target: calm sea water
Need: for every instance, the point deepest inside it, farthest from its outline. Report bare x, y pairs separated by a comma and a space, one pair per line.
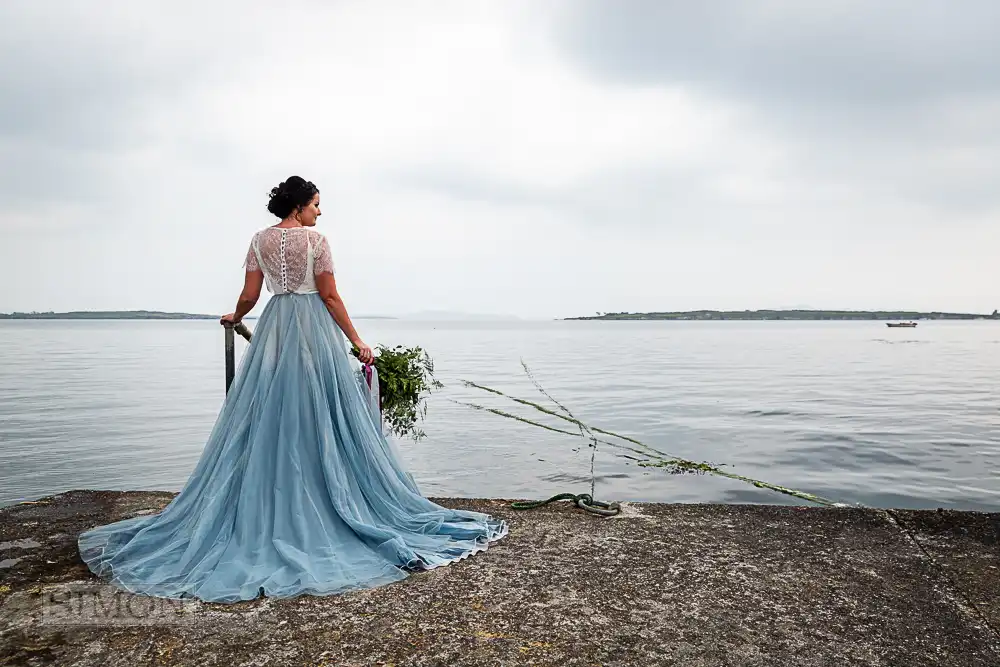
853, 411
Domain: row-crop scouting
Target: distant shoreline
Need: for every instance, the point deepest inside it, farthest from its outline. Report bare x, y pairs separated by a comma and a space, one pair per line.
133, 315
791, 315
108, 315
693, 315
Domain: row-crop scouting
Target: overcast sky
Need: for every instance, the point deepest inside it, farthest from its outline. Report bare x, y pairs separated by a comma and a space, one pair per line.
536, 158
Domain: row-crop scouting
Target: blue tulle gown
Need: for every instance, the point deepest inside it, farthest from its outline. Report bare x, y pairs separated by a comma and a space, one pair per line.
297, 490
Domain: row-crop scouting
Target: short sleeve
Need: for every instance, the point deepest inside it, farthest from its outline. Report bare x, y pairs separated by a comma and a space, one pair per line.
322, 259
251, 260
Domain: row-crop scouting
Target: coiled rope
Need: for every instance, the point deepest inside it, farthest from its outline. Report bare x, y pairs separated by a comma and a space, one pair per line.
582, 500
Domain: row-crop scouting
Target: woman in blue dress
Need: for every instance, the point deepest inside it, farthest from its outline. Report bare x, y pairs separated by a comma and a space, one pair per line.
297, 490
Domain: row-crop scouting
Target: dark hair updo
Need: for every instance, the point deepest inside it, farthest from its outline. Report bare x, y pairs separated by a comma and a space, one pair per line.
294, 193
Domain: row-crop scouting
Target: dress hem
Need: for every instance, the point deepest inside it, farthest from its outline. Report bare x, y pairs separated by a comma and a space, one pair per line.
413, 566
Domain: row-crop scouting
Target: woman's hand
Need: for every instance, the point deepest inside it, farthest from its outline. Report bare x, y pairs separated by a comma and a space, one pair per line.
229, 319
365, 354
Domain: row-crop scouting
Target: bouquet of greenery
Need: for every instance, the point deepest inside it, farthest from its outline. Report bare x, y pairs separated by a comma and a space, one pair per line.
405, 379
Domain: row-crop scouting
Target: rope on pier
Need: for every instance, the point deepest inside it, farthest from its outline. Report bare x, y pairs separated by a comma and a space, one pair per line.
582, 500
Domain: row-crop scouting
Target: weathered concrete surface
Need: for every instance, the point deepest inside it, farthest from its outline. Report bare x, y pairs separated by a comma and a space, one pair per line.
662, 585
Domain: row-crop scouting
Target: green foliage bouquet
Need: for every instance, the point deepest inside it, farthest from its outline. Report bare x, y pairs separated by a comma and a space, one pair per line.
405, 379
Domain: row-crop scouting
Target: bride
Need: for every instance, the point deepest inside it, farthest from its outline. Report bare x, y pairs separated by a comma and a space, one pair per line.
297, 490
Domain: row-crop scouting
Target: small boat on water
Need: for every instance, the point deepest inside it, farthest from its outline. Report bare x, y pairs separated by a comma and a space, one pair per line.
901, 325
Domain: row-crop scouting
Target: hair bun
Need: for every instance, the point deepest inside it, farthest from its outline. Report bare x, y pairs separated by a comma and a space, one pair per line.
289, 195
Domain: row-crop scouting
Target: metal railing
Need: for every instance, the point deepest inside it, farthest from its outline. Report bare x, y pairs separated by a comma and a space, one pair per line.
242, 330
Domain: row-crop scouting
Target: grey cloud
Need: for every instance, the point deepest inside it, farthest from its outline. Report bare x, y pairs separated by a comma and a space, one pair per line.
656, 196
869, 117
32, 176
813, 53
82, 89
80, 84
862, 94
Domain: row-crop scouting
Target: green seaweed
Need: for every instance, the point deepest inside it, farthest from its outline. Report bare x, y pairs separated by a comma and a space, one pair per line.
654, 458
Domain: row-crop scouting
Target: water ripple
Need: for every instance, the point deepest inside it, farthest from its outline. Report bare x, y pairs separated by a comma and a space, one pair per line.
828, 407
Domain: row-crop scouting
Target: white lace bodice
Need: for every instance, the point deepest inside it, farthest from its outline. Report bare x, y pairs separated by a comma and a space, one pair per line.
290, 258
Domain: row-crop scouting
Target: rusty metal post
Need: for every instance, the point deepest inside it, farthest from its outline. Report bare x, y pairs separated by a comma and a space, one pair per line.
242, 330
230, 356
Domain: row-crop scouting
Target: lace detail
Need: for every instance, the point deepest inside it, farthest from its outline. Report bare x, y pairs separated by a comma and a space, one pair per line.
251, 261
322, 259
285, 255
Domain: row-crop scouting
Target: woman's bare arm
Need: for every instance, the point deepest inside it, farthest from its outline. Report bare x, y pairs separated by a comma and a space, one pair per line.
327, 286
248, 297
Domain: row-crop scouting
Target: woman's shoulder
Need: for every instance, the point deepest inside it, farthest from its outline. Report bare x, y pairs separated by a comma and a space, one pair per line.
315, 236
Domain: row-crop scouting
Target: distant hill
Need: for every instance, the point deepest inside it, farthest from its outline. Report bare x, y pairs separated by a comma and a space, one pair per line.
791, 315
107, 315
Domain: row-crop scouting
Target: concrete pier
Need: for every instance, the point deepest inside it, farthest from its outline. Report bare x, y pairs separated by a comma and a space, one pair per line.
690, 585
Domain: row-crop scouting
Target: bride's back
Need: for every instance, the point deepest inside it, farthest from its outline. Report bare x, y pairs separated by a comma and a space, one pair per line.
290, 257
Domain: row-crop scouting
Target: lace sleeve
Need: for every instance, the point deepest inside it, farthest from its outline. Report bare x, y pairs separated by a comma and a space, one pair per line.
251, 260
322, 259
